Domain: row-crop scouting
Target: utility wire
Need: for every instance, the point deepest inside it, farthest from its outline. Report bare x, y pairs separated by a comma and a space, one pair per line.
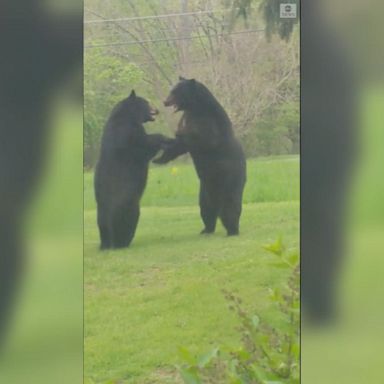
170, 39
154, 16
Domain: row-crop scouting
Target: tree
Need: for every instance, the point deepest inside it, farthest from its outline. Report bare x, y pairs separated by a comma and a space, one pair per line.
147, 46
271, 14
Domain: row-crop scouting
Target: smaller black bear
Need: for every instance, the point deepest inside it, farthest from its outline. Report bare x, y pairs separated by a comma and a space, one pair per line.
205, 131
122, 170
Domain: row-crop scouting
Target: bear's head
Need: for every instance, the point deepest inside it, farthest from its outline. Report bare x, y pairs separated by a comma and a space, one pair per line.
182, 95
139, 108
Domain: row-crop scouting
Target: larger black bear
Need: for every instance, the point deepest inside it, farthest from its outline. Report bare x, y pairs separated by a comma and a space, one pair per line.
122, 170
205, 131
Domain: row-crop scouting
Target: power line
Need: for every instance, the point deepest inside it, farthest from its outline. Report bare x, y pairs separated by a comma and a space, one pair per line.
169, 39
155, 16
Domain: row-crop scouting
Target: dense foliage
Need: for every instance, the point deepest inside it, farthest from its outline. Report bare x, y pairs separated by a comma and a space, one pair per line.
133, 45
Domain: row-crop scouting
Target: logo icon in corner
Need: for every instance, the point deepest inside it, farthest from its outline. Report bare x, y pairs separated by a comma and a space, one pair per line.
288, 11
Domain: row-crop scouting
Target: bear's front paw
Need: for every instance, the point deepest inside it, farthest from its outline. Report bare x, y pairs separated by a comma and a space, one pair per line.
166, 143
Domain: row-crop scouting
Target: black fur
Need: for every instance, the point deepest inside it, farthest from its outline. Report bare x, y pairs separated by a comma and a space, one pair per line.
122, 170
205, 131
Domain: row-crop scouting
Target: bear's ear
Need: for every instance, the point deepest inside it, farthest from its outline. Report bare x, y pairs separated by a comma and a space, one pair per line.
192, 81
133, 94
181, 78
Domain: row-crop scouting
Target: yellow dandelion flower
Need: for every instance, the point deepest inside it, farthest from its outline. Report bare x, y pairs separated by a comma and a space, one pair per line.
174, 171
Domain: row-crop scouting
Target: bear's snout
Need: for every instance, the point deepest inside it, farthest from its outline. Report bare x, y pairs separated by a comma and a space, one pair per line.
169, 101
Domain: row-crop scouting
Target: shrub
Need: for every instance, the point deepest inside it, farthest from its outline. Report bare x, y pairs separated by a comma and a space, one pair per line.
267, 355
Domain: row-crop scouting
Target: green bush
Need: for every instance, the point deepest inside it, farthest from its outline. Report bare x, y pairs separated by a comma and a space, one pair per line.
107, 80
267, 355
275, 133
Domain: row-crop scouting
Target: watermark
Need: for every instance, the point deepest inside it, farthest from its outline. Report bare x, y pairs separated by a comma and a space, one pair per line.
288, 11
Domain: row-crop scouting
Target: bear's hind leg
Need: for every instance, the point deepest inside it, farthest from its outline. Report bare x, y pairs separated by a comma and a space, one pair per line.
124, 226
230, 214
209, 211
104, 230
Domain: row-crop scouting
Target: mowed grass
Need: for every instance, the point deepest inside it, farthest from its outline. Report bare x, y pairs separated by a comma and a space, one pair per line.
164, 292
269, 180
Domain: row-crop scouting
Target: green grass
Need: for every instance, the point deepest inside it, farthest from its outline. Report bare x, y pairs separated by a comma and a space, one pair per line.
163, 292
269, 179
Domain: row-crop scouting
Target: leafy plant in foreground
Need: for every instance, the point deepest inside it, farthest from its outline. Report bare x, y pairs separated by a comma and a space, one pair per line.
267, 355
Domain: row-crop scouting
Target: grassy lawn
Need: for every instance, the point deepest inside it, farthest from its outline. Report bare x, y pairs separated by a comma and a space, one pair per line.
163, 292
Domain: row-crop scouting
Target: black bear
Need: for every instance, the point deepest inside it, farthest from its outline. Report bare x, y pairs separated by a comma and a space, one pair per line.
205, 131
122, 170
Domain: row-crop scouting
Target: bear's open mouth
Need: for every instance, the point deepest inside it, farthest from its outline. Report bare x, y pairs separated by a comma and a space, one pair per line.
174, 105
153, 112
171, 102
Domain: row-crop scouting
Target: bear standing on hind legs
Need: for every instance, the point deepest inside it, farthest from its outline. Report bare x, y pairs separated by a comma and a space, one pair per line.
205, 131
122, 170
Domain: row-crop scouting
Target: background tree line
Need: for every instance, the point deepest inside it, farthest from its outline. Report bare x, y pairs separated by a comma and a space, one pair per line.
229, 46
